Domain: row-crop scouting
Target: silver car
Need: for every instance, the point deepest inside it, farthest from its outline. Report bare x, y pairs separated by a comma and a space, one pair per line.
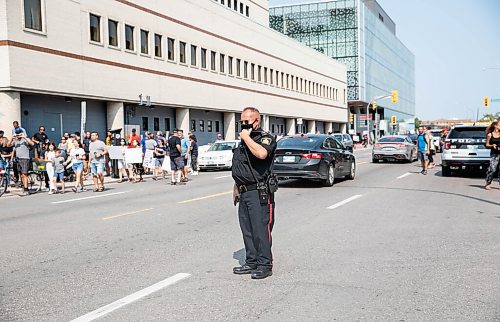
345, 139
394, 148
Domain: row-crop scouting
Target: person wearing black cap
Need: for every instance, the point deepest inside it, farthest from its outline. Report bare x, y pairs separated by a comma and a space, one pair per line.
22, 152
254, 189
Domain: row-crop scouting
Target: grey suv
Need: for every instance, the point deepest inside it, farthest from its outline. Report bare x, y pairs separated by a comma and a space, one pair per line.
345, 139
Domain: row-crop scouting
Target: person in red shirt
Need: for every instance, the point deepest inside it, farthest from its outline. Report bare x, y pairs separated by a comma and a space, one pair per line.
133, 137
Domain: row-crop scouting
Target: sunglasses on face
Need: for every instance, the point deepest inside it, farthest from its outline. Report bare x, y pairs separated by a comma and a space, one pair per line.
246, 122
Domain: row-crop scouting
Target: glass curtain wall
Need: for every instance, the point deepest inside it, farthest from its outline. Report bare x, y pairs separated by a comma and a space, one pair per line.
329, 27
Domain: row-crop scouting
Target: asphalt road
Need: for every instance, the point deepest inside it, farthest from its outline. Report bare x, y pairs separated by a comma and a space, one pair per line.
390, 245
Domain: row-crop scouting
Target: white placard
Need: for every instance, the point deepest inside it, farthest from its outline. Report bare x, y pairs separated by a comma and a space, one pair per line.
166, 164
115, 152
149, 161
133, 155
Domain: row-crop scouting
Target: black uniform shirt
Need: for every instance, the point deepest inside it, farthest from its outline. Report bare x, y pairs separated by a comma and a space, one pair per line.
241, 169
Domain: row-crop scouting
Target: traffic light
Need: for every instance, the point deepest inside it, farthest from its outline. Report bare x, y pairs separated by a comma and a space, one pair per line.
394, 120
374, 105
486, 101
394, 96
351, 118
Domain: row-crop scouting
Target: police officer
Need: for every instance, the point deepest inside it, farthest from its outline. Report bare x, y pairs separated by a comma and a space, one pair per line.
251, 172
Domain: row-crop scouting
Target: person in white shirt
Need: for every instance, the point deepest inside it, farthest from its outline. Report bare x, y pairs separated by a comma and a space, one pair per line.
76, 156
49, 166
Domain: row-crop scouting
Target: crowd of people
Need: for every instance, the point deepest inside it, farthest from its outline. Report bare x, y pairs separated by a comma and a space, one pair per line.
74, 158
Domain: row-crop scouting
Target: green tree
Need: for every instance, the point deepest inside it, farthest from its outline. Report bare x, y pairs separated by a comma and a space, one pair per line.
417, 123
490, 117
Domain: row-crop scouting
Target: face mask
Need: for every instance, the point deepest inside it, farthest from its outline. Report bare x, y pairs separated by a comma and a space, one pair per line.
247, 126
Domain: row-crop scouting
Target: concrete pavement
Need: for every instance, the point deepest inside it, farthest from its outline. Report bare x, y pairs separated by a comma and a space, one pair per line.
410, 247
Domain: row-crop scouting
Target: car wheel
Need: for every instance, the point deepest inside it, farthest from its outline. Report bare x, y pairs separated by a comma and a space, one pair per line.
352, 173
330, 176
445, 171
374, 161
410, 160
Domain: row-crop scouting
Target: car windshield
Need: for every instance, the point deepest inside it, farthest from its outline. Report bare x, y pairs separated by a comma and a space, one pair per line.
222, 146
391, 139
299, 142
468, 133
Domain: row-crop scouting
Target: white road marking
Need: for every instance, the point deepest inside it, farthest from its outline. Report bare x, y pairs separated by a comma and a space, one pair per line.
338, 204
131, 298
208, 197
364, 162
91, 197
223, 177
404, 175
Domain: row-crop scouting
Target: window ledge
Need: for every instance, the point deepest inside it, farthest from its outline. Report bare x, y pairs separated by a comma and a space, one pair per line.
171, 61
131, 51
34, 31
160, 58
194, 66
145, 55
100, 44
114, 48
184, 64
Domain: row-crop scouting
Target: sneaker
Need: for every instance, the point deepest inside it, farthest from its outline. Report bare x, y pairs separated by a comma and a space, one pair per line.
195, 173
182, 183
25, 193
424, 172
83, 189
173, 183
51, 192
47, 189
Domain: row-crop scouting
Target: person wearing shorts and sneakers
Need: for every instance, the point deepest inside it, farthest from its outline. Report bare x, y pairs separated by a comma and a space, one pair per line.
176, 159
423, 147
76, 156
22, 152
97, 154
58, 164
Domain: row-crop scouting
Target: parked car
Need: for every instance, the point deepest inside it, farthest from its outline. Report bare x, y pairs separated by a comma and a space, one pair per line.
345, 139
218, 156
465, 148
394, 148
315, 157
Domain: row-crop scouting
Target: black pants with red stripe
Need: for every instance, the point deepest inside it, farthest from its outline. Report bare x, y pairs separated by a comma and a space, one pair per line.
256, 223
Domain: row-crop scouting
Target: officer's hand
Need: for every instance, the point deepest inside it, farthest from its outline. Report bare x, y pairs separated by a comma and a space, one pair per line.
245, 133
236, 195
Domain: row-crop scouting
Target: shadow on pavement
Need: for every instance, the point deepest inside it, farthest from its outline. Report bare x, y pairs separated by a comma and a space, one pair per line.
240, 256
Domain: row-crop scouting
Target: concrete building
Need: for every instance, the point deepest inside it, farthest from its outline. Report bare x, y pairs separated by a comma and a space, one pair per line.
69, 65
360, 34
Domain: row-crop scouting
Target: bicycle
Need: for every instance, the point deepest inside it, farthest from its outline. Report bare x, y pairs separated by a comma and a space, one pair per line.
36, 176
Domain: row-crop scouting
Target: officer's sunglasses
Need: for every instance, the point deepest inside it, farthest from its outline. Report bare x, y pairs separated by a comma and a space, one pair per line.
246, 122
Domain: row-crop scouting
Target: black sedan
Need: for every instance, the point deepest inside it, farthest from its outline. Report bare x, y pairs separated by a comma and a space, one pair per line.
315, 157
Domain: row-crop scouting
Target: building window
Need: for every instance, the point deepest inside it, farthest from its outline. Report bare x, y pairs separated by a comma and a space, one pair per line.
112, 33
245, 69
129, 38
247, 11
193, 55
182, 52
33, 14
230, 65
252, 71
238, 67
272, 128
95, 28
144, 42
292, 81
167, 124
202, 126
287, 78
259, 70
193, 126
235, 7
158, 49
145, 123
213, 56
277, 78
265, 75
381, 17
296, 83
156, 124
209, 126
171, 48
217, 126
271, 72
221, 62
221, 1
282, 80
203, 58
229, 3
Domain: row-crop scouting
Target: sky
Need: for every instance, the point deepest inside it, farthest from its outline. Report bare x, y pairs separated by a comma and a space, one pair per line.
453, 41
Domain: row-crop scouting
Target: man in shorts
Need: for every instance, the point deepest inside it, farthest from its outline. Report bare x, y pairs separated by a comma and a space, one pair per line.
97, 152
176, 159
423, 147
22, 145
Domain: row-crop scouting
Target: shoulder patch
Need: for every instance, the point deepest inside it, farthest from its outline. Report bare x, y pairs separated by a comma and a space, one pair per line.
266, 141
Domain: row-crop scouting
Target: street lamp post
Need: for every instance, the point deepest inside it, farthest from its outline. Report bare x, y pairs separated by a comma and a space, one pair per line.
375, 99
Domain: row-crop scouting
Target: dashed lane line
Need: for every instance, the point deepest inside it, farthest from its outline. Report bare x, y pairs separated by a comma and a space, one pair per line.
343, 202
127, 214
91, 197
227, 176
102, 311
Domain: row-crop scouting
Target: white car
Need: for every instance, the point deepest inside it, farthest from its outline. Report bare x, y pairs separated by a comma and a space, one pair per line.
218, 156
